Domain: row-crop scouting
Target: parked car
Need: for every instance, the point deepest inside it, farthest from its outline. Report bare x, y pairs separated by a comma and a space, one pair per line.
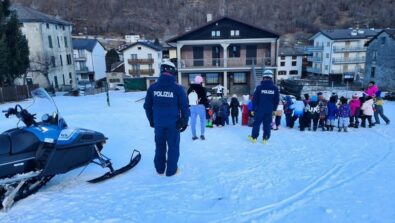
120, 87
83, 85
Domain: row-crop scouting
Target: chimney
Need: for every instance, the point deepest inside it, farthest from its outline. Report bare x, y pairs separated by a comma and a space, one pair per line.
209, 17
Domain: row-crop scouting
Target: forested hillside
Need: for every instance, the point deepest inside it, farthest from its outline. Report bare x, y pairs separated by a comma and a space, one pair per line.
165, 18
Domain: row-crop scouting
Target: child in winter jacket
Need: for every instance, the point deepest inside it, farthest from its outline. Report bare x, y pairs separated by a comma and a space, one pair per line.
312, 113
343, 113
244, 110
332, 111
234, 109
287, 110
298, 108
278, 113
379, 110
323, 107
355, 107
367, 111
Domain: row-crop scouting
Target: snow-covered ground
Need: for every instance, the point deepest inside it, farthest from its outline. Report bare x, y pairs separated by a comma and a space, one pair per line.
296, 177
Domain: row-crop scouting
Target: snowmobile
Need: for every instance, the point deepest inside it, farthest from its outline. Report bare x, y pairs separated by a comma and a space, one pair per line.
33, 154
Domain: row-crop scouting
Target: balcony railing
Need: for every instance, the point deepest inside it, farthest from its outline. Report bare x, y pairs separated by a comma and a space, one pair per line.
313, 48
341, 71
79, 57
226, 63
314, 59
349, 49
141, 61
82, 70
139, 72
313, 70
349, 60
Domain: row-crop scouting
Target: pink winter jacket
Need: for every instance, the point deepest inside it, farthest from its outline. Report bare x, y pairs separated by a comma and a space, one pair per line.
354, 105
367, 107
371, 91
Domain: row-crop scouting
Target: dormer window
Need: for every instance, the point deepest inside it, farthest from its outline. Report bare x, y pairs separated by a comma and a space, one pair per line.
215, 33
234, 33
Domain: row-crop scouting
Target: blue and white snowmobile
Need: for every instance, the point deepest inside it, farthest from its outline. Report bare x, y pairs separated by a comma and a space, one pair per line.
31, 155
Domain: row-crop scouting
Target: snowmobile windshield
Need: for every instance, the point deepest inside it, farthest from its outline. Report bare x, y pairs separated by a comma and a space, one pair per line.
43, 106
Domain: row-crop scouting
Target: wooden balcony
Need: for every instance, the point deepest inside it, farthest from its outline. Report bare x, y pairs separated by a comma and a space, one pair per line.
141, 61
227, 63
137, 73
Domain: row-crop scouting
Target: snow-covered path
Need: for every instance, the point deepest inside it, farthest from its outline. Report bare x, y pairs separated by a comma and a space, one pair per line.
296, 177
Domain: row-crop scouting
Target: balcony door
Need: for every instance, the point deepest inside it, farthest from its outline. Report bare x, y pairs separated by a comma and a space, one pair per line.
251, 55
216, 56
198, 56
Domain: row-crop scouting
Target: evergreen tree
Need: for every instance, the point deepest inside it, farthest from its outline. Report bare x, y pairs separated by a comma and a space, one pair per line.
111, 57
14, 48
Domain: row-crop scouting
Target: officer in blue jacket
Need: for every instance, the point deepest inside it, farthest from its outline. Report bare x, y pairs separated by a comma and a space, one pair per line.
265, 102
167, 111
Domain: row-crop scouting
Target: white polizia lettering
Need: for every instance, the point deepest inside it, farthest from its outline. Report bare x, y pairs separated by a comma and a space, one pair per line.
267, 92
164, 94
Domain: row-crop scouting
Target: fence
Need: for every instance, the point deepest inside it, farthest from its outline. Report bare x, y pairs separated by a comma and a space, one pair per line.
16, 93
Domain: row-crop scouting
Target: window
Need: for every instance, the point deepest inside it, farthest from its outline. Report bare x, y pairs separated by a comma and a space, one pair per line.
53, 61
115, 80
282, 57
282, 72
294, 63
47, 25
58, 42
64, 80
327, 55
61, 60
191, 78
372, 72
133, 56
293, 57
68, 59
139, 48
63, 28
50, 42
328, 44
212, 78
56, 26
234, 51
239, 78
293, 72
234, 33
282, 64
70, 76
382, 40
326, 67
374, 55
135, 67
149, 66
215, 33
150, 56
65, 42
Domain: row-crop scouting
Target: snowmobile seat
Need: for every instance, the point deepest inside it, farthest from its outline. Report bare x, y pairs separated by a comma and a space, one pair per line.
5, 145
23, 141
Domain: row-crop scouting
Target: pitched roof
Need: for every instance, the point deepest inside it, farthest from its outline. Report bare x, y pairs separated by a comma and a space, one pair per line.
341, 34
84, 44
148, 44
269, 34
26, 14
390, 32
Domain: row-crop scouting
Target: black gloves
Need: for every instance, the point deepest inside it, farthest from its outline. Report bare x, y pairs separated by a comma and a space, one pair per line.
181, 125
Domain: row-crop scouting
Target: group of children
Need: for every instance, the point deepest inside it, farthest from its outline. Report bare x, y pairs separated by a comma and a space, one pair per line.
316, 112
312, 113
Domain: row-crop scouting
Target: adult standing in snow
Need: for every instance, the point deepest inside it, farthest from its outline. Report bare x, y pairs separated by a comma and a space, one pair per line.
166, 107
197, 99
265, 102
220, 90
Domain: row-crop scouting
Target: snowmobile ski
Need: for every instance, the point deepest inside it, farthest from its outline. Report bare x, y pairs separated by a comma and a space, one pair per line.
112, 173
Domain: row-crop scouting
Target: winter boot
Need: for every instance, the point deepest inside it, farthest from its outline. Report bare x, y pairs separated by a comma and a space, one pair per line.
194, 138
253, 140
202, 137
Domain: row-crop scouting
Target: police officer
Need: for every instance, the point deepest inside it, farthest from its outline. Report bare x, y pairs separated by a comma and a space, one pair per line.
265, 102
167, 111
